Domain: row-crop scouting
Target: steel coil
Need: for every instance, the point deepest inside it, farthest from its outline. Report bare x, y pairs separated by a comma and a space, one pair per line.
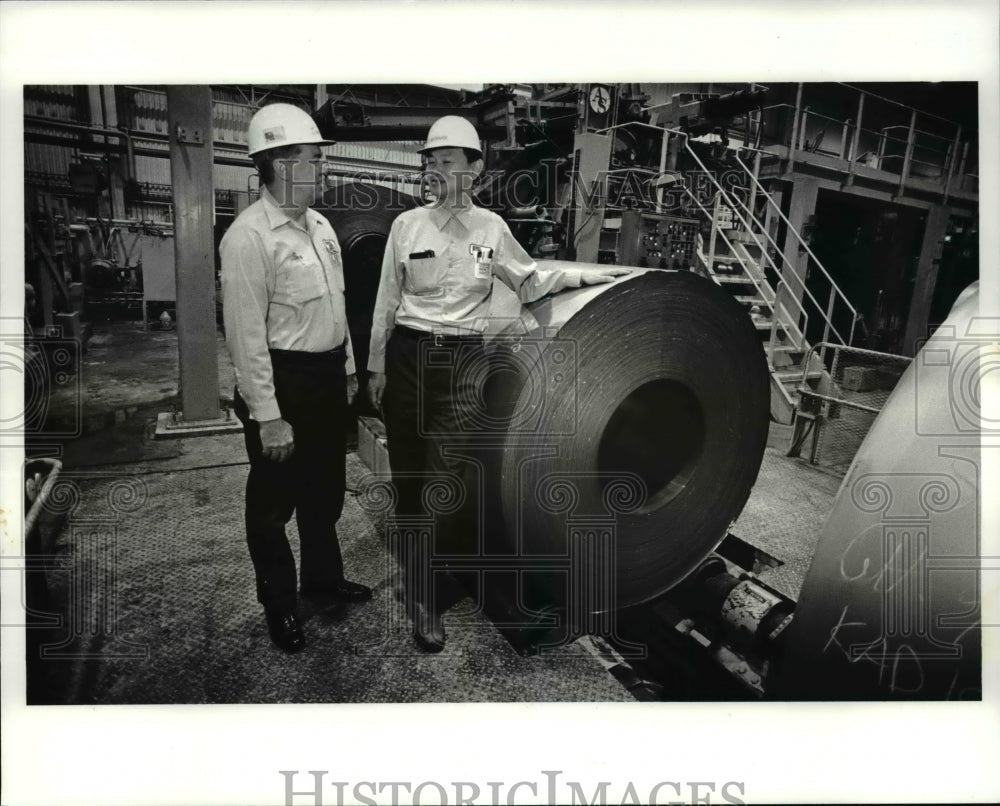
891, 605
637, 410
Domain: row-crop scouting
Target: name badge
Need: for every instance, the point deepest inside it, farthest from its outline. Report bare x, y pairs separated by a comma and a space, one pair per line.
483, 257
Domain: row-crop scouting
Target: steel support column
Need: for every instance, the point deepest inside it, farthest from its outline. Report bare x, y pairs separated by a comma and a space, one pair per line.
926, 279
802, 206
189, 117
589, 185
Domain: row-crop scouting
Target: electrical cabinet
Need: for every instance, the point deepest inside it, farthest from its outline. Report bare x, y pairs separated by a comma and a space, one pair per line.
650, 240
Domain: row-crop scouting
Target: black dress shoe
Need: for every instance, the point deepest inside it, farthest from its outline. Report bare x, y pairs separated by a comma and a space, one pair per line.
428, 629
344, 591
286, 633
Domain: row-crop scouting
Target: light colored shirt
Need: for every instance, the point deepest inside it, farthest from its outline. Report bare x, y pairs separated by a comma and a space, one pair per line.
438, 270
282, 289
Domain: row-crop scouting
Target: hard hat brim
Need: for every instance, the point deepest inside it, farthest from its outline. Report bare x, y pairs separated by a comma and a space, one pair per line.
298, 143
426, 150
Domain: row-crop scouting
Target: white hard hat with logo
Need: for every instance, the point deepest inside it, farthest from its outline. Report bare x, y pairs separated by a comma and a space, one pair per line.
452, 131
278, 125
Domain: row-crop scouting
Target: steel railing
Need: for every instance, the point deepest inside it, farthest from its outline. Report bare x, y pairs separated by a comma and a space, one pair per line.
939, 154
835, 291
752, 226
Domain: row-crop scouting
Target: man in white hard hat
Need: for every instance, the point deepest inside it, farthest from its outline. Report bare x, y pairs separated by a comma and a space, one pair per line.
286, 330
437, 278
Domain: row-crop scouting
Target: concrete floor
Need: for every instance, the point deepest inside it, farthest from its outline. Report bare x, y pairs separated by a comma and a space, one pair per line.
103, 395
151, 568
148, 571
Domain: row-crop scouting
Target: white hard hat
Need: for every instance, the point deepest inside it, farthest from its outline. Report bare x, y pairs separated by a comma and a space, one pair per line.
277, 125
452, 131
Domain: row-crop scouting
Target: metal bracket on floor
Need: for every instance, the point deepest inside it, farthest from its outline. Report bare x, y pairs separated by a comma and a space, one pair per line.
172, 425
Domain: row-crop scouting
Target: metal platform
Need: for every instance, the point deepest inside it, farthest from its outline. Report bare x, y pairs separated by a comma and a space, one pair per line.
784, 516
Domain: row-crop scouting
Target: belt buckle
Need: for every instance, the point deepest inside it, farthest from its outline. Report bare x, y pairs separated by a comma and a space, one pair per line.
438, 339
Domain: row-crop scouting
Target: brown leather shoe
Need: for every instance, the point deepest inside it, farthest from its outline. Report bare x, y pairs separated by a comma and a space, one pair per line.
428, 629
286, 632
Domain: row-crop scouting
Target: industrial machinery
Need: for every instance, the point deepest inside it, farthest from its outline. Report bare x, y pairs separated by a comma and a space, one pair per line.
651, 240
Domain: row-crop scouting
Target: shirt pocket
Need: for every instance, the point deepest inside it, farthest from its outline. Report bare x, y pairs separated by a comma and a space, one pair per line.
473, 276
298, 281
424, 276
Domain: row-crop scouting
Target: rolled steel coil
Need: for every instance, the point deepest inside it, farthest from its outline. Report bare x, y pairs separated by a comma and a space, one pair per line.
637, 410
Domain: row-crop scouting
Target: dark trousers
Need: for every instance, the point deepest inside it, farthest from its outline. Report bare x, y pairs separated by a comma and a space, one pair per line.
312, 396
431, 403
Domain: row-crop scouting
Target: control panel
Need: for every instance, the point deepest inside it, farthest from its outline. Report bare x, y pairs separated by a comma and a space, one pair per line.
656, 241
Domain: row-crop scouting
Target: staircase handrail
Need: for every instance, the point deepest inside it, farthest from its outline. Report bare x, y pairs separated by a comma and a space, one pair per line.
829, 326
834, 288
735, 204
803, 313
753, 279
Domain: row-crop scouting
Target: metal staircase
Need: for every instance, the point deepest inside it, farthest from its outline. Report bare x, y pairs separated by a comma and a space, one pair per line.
742, 255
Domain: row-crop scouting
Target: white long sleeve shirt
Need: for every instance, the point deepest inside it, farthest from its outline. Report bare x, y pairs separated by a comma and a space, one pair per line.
438, 270
283, 289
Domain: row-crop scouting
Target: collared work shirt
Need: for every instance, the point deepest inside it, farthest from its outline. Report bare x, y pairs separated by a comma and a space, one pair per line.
282, 289
438, 270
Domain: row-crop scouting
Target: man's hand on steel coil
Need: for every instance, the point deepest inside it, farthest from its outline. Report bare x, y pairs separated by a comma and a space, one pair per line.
278, 440
597, 277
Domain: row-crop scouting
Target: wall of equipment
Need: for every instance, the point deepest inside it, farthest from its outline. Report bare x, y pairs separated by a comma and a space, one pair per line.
98, 190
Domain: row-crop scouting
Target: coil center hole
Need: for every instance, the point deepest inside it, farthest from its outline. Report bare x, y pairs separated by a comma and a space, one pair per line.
657, 433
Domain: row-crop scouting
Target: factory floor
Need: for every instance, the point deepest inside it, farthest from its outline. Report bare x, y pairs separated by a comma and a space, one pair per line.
148, 577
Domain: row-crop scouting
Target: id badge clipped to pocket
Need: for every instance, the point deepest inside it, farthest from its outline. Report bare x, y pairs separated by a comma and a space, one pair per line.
482, 257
